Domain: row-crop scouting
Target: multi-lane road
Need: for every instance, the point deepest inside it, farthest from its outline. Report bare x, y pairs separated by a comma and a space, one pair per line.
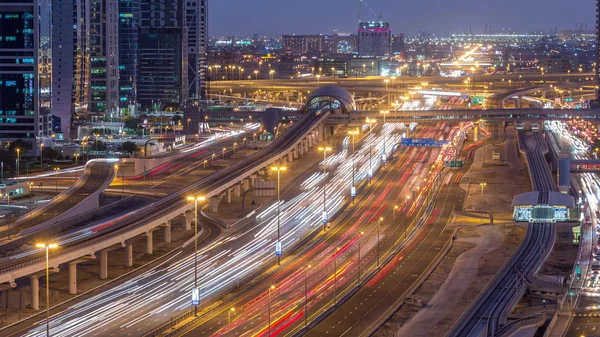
327, 268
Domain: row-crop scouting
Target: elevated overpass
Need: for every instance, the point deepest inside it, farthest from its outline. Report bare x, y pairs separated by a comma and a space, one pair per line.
81, 197
159, 215
530, 114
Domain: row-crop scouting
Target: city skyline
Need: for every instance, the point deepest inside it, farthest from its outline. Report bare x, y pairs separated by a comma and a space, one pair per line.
269, 18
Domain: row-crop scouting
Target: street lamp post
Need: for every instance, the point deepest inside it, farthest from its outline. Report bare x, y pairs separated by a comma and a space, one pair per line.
353, 187
378, 248
482, 186
370, 121
195, 200
270, 289
41, 157
324, 216
224, 152
384, 155
386, 81
212, 161
234, 145
18, 161
394, 212
335, 275
47, 247
359, 239
56, 169
306, 295
278, 169
232, 310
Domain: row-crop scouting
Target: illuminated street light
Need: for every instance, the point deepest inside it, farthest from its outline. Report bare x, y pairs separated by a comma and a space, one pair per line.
353, 187
278, 169
384, 155
306, 295
378, 241
482, 186
270, 289
230, 311
324, 217
47, 247
370, 121
195, 290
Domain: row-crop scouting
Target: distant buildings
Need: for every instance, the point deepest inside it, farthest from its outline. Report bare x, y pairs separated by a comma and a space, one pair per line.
337, 43
558, 63
374, 39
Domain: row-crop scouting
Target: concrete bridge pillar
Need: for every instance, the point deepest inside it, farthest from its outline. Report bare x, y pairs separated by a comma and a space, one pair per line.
246, 184
228, 195
72, 278
290, 156
295, 153
214, 203
129, 253
237, 190
149, 243
168, 232
518, 103
189, 218
305, 144
35, 292
301, 149
103, 264
320, 133
310, 140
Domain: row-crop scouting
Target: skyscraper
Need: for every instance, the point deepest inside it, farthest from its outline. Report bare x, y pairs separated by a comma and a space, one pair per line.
162, 75
19, 87
172, 52
128, 51
104, 57
70, 61
374, 39
195, 30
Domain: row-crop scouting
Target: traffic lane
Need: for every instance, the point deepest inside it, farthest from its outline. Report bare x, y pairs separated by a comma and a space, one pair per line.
209, 235
338, 234
584, 326
99, 174
356, 316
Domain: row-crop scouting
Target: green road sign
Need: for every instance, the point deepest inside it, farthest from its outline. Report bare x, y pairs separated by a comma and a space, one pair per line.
454, 163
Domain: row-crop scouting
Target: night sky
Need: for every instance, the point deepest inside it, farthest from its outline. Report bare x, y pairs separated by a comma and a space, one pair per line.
276, 17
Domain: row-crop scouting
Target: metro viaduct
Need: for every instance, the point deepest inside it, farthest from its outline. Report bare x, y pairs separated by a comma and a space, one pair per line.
530, 114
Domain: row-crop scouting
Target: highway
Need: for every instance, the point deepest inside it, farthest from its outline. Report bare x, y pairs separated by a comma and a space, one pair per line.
489, 311
325, 283
96, 175
94, 317
376, 83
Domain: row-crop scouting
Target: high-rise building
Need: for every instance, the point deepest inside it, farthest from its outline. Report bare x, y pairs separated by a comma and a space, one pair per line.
342, 43
374, 39
196, 32
104, 57
19, 88
598, 47
398, 46
162, 74
128, 52
70, 61
172, 52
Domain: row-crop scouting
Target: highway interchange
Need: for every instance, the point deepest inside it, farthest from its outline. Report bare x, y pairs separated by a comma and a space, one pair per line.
345, 281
